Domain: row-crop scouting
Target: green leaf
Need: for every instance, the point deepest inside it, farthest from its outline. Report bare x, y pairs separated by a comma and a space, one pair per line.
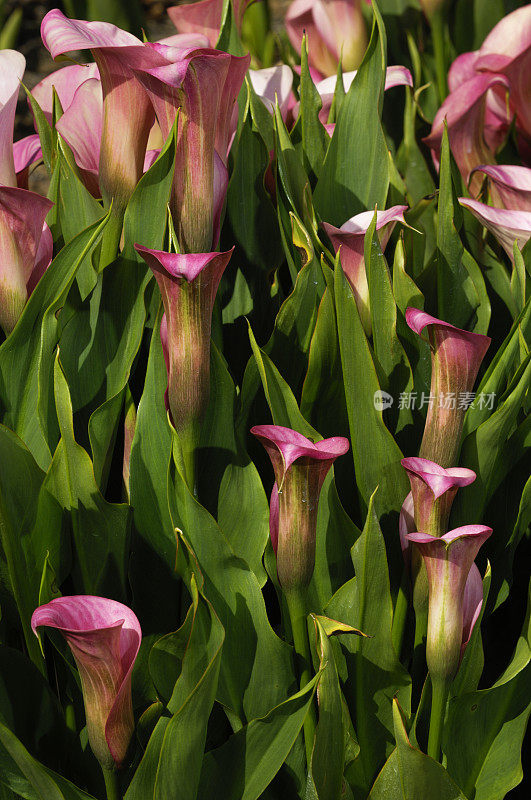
328, 753
100, 530
30, 779
457, 296
409, 774
315, 140
248, 762
376, 454
355, 173
76, 210
192, 656
26, 357
375, 675
484, 730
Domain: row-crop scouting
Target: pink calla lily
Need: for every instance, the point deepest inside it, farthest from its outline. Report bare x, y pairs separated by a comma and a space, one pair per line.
453, 609
24, 252
128, 115
456, 357
509, 185
188, 285
335, 29
26, 151
506, 225
273, 84
204, 85
12, 66
104, 637
204, 17
433, 491
300, 467
488, 88
350, 237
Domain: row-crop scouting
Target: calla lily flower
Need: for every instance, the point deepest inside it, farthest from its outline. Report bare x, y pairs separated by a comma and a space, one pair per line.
394, 76
350, 237
26, 151
205, 17
509, 185
128, 115
433, 491
25, 249
188, 285
464, 112
482, 84
449, 560
300, 468
274, 84
12, 66
507, 226
456, 357
335, 30
204, 85
104, 637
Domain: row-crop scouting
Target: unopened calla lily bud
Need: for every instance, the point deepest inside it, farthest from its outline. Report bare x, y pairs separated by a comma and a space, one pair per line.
188, 285
449, 560
456, 357
300, 468
104, 637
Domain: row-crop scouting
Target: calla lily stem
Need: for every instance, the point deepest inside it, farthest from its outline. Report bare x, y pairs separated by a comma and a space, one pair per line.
111, 784
437, 32
439, 696
296, 601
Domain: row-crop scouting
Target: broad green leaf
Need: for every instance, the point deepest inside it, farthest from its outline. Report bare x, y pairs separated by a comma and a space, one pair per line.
191, 658
315, 140
76, 210
328, 754
409, 774
484, 730
457, 295
30, 779
375, 675
100, 530
251, 758
229, 38
376, 454
388, 350
355, 173
26, 357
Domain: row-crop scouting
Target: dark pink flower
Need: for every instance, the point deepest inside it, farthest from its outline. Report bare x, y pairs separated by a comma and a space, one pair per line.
300, 468
453, 609
456, 357
104, 637
188, 285
204, 85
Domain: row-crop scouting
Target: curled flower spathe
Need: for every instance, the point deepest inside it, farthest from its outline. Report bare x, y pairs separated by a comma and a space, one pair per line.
300, 467
104, 637
453, 609
456, 357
